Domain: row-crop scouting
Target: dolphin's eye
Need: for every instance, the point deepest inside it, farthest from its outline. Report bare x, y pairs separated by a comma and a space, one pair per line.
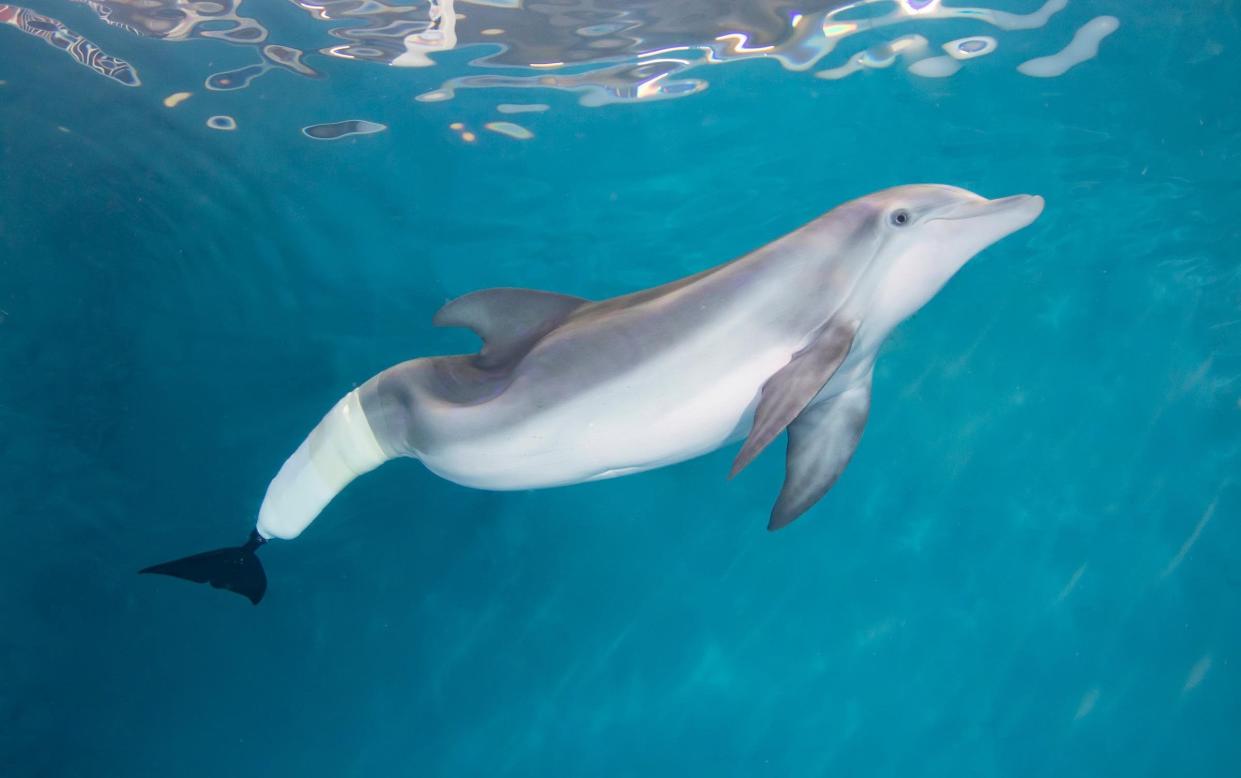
899, 218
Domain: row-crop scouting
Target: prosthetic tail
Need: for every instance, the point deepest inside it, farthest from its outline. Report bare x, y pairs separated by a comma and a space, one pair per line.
236, 569
339, 449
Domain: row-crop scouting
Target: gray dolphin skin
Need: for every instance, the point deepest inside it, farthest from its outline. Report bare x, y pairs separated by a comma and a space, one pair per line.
565, 390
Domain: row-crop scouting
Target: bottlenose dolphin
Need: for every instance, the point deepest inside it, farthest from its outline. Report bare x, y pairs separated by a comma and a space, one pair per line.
566, 390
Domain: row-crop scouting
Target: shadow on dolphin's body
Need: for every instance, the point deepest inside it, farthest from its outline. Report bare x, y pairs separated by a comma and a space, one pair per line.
566, 390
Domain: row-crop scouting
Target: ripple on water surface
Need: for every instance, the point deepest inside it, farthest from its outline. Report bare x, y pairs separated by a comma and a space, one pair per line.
522, 107
605, 51
226, 123
54, 33
510, 129
1083, 47
337, 130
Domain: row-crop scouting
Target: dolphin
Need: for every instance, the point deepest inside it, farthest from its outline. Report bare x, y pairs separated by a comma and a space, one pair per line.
566, 390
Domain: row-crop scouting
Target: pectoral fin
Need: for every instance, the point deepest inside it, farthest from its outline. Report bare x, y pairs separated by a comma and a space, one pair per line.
821, 442
791, 389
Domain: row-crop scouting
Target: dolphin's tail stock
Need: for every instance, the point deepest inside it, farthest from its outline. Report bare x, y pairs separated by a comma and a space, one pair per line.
340, 448
236, 569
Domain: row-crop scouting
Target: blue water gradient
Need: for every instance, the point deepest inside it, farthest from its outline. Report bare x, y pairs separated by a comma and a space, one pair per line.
1030, 568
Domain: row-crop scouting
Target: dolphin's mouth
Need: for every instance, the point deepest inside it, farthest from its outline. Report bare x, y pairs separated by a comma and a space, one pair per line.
1029, 205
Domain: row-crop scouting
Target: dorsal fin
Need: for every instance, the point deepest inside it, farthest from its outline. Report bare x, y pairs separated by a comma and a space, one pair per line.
509, 321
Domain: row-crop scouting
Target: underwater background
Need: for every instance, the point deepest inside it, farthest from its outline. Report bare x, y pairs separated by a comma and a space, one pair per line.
1029, 568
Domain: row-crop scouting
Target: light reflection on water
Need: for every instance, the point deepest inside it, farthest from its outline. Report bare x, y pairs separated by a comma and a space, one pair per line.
54, 33
607, 51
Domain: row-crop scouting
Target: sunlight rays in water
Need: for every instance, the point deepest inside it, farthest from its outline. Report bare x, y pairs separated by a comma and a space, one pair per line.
1188, 545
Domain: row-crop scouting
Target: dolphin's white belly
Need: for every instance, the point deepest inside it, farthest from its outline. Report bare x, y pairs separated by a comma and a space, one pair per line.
687, 402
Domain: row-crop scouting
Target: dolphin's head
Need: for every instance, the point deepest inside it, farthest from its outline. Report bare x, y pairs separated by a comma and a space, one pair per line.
925, 233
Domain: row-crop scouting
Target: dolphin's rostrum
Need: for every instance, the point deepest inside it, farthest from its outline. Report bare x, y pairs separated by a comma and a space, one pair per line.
566, 390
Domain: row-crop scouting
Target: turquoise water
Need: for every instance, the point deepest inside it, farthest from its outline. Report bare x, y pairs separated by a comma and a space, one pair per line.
1028, 569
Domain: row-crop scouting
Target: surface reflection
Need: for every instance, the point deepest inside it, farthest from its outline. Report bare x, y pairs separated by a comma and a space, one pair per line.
607, 51
54, 33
